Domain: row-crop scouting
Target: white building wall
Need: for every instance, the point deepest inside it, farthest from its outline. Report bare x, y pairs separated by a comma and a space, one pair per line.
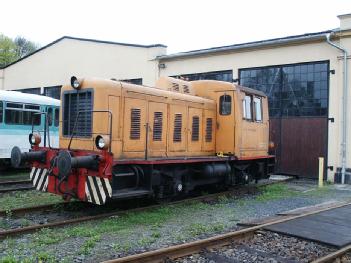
1, 78
55, 65
304, 52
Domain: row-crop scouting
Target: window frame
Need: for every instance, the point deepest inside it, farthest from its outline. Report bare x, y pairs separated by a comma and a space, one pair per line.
21, 108
220, 110
244, 105
1, 111
255, 109
57, 117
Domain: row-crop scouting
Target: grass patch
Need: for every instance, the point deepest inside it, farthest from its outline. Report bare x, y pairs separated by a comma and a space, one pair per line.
274, 192
27, 198
89, 244
196, 229
318, 191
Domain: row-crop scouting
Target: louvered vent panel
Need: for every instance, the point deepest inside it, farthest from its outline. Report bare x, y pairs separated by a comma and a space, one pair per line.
135, 124
157, 132
186, 89
208, 136
177, 133
74, 103
195, 129
175, 87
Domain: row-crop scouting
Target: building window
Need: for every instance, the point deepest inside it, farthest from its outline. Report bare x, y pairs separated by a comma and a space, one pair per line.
53, 92
225, 105
292, 90
36, 91
225, 75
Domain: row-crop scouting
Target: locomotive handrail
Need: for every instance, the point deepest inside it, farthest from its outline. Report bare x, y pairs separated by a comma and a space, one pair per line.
93, 111
46, 126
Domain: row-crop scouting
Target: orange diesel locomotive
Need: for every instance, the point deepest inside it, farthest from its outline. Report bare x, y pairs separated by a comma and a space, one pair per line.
120, 140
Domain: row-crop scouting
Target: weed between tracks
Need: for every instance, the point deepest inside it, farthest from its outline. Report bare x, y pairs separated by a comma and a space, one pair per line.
27, 198
137, 231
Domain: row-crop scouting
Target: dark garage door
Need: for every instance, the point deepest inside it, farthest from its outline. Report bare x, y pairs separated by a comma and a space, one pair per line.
298, 101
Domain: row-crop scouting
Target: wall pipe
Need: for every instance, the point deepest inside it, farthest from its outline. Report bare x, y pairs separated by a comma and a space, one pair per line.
344, 108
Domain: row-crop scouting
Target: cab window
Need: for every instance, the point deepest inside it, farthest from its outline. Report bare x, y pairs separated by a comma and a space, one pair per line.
247, 113
258, 109
225, 105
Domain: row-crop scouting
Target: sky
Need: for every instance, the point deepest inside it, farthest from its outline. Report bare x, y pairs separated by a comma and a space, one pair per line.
182, 25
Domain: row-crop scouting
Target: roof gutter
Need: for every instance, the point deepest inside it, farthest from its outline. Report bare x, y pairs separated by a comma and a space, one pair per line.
344, 108
273, 42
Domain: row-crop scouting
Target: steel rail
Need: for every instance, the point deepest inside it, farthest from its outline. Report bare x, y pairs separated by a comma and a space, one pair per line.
33, 228
24, 210
23, 188
334, 255
182, 250
26, 181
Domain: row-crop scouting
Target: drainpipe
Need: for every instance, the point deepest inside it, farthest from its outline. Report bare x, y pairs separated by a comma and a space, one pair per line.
344, 108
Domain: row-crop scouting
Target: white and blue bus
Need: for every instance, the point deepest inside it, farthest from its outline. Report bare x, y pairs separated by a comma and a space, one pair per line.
19, 113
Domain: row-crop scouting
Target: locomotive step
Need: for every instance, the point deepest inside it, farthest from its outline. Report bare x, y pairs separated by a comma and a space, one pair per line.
130, 193
124, 174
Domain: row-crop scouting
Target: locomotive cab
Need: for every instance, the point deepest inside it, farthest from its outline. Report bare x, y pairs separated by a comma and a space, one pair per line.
120, 140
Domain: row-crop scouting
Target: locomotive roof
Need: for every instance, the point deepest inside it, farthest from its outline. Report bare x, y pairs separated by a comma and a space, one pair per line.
15, 96
252, 91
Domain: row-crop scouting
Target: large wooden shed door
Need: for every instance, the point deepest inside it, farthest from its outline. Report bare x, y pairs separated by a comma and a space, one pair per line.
298, 110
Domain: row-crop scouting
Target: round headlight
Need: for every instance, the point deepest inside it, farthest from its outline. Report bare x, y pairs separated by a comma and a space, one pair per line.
34, 138
102, 142
75, 82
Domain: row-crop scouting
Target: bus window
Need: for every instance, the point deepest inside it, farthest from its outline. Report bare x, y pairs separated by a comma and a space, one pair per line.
15, 114
1, 111
50, 113
57, 117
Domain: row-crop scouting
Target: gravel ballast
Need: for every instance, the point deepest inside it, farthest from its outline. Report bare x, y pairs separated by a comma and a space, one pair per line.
139, 232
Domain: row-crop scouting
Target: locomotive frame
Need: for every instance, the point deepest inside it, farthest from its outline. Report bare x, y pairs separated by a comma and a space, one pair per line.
155, 142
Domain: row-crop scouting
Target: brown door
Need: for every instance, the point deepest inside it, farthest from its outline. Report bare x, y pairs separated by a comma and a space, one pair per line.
299, 142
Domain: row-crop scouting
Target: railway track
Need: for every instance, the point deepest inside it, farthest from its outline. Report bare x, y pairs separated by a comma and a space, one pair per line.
33, 228
15, 185
183, 250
